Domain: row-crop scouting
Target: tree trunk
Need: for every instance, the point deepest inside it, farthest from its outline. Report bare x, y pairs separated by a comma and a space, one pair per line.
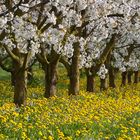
74, 73
129, 76
124, 77
19, 77
74, 84
12, 78
90, 80
20, 87
49, 65
136, 77
111, 77
90, 83
103, 84
30, 75
50, 79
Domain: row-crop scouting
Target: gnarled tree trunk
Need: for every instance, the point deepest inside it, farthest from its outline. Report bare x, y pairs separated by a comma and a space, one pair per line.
20, 88
90, 83
50, 79
74, 73
12, 78
129, 76
103, 84
111, 77
19, 78
136, 77
90, 80
124, 78
49, 65
30, 75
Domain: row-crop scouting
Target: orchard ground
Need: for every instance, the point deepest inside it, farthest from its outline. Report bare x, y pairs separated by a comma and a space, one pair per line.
110, 115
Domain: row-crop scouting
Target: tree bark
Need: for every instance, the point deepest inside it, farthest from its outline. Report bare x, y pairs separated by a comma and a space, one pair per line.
129, 76
19, 78
103, 84
90, 83
50, 79
124, 78
109, 47
111, 77
12, 78
30, 75
20, 87
136, 77
49, 65
90, 80
74, 73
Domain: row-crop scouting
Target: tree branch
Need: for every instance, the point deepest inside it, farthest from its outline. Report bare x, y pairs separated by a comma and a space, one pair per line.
12, 55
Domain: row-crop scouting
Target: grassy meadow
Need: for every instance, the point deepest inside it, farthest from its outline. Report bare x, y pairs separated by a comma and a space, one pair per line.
110, 115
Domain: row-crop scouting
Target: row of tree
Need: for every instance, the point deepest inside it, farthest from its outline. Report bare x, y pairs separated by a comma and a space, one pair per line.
100, 36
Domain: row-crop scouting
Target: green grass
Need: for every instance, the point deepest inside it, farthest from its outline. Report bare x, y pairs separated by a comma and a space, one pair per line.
4, 75
108, 115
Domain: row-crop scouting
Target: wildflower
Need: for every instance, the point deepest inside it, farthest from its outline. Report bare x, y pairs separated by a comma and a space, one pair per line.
78, 133
23, 135
50, 138
60, 134
40, 133
3, 119
15, 114
19, 125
